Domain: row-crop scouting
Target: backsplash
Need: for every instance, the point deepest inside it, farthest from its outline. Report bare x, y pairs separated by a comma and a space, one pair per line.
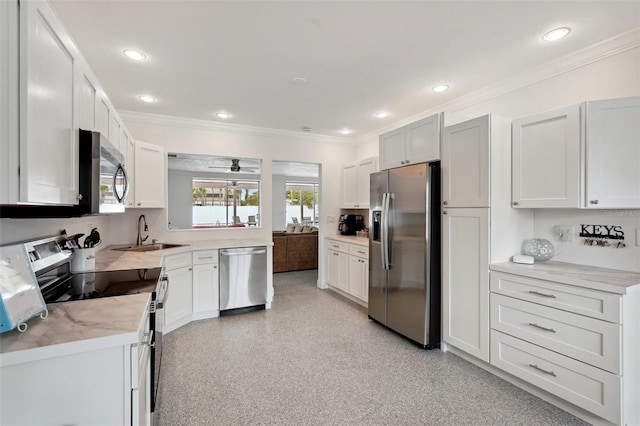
608, 256
14, 230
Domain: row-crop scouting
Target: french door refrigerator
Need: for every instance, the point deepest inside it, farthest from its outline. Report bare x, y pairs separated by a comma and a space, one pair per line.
404, 251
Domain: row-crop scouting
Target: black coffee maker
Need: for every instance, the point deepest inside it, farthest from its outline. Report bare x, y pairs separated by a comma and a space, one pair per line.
350, 224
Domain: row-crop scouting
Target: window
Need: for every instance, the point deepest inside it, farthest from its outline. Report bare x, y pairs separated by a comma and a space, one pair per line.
302, 203
219, 203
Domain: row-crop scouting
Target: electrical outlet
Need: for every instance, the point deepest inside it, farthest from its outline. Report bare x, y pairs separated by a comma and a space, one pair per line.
331, 219
563, 232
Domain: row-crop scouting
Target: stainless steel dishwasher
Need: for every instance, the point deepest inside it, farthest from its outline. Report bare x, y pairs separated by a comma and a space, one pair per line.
243, 278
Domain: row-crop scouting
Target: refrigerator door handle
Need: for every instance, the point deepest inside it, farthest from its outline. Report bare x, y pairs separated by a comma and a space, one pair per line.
382, 230
386, 198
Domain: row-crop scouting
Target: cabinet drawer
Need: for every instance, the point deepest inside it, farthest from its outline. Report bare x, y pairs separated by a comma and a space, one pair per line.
586, 339
592, 303
205, 256
337, 246
588, 387
177, 261
360, 251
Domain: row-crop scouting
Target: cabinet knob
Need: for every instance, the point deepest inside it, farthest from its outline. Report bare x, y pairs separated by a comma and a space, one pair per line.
139, 204
215, 266
79, 197
594, 201
444, 212
446, 203
515, 203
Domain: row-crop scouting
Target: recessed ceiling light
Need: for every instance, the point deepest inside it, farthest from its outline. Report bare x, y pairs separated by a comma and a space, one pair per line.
382, 114
346, 131
136, 55
146, 98
223, 115
299, 81
556, 34
440, 88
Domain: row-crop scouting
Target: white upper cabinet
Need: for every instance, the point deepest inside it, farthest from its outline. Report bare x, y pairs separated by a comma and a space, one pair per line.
115, 131
414, 143
150, 174
613, 153
48, 113
87, 102
546, 159
9, 101
465, 164
581, 156
355, 182
103, 110
129, 166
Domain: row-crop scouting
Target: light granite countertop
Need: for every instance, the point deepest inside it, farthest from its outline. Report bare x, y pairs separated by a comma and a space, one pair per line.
109, 259
604, 279
351, 239
77, 326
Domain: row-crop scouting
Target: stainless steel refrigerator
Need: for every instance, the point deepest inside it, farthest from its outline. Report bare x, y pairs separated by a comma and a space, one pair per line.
404, 251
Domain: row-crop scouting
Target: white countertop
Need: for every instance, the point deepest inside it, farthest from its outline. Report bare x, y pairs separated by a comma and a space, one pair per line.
604, 279
351, 239
108, 259
77, 326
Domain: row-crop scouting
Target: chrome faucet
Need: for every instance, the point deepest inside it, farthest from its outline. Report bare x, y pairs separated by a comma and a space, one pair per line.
140, 240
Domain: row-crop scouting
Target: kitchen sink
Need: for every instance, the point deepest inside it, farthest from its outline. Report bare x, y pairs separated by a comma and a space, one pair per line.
150, 247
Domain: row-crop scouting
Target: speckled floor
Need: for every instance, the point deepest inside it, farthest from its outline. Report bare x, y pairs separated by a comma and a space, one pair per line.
316, 359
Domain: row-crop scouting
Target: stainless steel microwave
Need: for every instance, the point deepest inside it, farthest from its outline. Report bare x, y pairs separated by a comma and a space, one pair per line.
102, 181
102, 176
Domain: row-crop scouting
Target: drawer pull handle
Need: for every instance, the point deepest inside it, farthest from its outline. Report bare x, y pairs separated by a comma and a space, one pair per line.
335, 246
533, 324
551, 373
360, 251
537, 293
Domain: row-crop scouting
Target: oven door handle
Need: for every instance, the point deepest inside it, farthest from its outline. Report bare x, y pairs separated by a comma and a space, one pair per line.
162, 294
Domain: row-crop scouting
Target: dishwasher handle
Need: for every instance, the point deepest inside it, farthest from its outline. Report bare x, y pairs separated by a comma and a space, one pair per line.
242, 253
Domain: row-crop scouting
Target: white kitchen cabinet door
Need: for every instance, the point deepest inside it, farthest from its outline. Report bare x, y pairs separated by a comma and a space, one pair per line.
205, 288
338, 270
129, 165
350, 185
392, 149
465, 164
48, 114
179, 305
115, 131
9, 102
150, 174
465, 280
88, 98
546, 159
359, 277
423, 140
613, 153
103, 111
365, 168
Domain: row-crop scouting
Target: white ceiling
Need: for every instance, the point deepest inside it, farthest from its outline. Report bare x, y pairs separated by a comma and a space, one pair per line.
358, 56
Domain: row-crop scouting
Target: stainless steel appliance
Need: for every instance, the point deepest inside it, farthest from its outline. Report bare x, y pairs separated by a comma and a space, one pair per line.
349, 224
404, 250
102, 181
243, 279
51, 260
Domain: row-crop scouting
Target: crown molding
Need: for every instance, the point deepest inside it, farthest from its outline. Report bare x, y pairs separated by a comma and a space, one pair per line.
192, 123
572, 61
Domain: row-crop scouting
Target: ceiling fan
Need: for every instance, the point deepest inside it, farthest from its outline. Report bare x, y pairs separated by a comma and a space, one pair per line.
235, 167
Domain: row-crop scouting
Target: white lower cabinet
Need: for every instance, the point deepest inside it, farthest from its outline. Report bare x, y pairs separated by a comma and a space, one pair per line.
179, 305
578, 344
79, 385
347, 268
206, 298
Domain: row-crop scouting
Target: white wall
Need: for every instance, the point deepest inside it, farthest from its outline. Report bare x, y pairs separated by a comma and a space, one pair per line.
612, 76
14, 230
279, 203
